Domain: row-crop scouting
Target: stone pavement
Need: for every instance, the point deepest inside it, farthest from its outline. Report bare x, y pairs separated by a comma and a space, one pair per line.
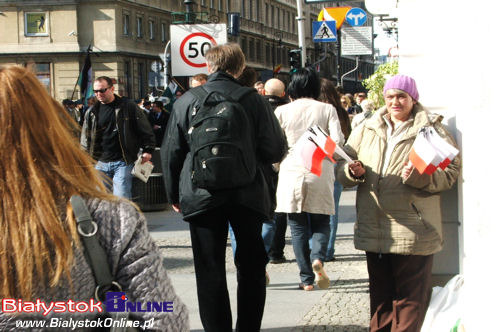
342, 307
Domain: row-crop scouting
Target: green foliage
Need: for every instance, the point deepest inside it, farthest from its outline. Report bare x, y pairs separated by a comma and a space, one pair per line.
375, 83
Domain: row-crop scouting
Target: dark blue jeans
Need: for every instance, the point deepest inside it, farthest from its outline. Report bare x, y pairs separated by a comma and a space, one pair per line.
300, 226
334, 221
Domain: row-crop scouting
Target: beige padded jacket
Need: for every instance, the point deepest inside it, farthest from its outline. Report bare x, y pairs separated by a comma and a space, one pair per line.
396, 215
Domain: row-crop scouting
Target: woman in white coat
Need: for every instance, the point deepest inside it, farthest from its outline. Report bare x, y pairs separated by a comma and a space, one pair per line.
305, 197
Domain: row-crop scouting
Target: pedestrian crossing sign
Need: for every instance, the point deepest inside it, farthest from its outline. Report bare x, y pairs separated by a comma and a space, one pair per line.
324, 31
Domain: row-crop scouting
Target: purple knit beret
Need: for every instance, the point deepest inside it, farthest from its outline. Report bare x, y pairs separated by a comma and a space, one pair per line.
402, 82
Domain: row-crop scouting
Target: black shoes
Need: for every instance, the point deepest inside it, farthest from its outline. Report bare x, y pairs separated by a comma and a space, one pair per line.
279, 260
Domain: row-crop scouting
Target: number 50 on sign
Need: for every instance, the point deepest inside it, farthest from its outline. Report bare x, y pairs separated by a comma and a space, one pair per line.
190, 42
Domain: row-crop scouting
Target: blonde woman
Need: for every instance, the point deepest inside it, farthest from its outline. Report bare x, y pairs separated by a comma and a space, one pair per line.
41, 256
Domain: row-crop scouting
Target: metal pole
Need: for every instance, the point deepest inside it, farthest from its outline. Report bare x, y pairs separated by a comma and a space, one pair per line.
339, 69
165, 65
302, 36
350, 71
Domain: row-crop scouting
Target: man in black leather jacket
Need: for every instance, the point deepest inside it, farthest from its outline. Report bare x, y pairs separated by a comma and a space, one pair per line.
208, 212
113, 132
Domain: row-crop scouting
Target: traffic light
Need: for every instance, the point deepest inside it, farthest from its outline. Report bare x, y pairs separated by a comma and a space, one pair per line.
295, 59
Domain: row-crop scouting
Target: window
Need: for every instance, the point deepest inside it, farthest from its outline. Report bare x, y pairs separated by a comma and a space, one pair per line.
139, 27
244, 45
36, 24
250, 12
267, 14
268, 54
257, 17
203, 3
228, 6
242, 8
258, 47
288, 24
128, 85
251, 46
151, 30
42, 72
141, 80
126, 24
163, 32
279, 18
212, 4
220, 5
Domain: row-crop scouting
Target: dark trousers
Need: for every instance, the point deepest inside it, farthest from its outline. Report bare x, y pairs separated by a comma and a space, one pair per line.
209, 238
400, 290
278, 242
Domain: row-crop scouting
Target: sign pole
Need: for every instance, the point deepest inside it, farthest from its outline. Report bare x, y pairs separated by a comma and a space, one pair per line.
339, 69
302, 36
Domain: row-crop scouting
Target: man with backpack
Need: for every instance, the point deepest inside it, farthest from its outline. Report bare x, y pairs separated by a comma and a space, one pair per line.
219, 136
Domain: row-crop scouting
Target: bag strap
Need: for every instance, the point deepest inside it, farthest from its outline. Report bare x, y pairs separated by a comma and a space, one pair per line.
202, 94
96, 256
87, 228
199, 92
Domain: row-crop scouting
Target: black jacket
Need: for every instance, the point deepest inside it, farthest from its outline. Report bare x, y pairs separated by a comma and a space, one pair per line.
276, 101
270, 147
134, 130
161, 121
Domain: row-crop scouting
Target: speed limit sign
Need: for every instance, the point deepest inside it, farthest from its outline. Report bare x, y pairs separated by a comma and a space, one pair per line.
190, 42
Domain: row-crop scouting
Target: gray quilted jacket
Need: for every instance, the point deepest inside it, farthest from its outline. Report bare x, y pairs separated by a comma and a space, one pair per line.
136, 263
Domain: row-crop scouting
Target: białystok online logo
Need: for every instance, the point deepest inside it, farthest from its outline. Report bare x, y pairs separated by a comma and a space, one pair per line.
118, 302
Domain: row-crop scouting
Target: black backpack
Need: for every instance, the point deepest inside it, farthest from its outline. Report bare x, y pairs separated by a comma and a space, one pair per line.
221, 141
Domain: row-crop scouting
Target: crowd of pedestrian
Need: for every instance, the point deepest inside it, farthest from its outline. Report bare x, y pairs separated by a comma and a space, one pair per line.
229, 151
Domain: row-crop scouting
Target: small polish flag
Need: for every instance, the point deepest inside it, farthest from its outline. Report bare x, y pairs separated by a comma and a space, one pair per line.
324, 142
313, 146
430, 151
448, 151
310, 154
423, 155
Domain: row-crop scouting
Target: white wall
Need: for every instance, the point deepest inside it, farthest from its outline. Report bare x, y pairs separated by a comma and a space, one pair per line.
451, 48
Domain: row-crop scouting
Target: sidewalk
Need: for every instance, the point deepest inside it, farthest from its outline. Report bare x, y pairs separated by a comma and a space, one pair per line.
342, 307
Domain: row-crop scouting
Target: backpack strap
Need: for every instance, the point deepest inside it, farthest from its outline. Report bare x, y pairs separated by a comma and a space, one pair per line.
96, 256
199, 92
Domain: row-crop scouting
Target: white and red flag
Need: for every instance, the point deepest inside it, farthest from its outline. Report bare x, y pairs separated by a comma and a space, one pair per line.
446, 150
313, 146
430, 151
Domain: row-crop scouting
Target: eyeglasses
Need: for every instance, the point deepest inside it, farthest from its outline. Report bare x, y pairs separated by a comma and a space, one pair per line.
101, 90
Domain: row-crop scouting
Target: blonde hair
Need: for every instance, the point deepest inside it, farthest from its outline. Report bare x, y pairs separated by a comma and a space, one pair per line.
41, 166
227, 57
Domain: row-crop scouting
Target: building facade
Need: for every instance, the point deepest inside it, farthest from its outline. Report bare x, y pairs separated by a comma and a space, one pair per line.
126, 37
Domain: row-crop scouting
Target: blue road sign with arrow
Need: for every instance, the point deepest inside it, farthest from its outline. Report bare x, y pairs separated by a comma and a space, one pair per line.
356, 17
324, 31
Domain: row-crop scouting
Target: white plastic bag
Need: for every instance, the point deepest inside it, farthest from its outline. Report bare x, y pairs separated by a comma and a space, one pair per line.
446, 307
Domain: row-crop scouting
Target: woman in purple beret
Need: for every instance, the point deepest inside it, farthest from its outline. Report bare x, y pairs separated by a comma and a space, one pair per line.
398, 209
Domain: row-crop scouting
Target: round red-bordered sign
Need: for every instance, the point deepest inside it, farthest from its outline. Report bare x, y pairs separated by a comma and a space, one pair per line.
181, 50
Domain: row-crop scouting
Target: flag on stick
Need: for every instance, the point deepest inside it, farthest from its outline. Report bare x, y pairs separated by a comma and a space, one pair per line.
313, 146
85, 80
430, 152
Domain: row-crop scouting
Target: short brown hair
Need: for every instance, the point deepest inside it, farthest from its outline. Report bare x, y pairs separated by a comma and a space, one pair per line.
105, 79
200, 77
227, 57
